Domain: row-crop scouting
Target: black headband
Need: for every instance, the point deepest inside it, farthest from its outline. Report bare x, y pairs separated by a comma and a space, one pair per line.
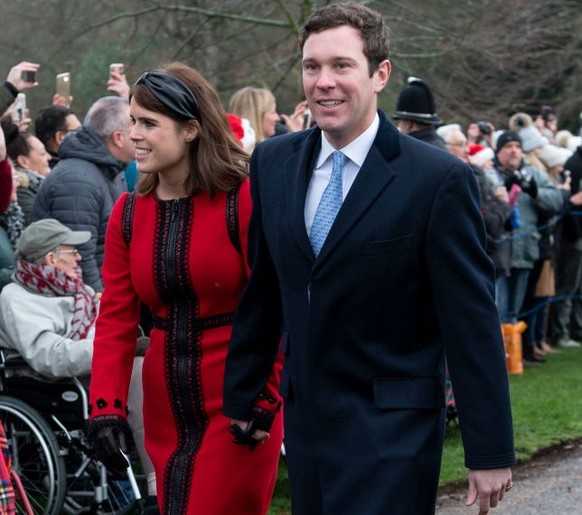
171, 92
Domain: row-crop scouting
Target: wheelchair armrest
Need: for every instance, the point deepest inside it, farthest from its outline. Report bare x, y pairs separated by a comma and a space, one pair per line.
10, 359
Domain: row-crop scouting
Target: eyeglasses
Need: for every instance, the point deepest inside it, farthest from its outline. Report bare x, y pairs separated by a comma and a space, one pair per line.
461, 145
68, 251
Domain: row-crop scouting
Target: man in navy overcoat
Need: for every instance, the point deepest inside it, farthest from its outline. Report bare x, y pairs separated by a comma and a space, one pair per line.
402, 278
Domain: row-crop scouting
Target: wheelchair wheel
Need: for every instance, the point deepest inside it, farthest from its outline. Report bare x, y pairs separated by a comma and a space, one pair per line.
35, 456
86, 492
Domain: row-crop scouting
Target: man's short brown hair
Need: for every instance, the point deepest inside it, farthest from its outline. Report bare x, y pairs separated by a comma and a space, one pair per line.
370, 24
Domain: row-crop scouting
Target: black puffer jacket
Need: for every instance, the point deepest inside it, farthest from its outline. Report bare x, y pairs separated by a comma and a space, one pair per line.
80, 192
572, 225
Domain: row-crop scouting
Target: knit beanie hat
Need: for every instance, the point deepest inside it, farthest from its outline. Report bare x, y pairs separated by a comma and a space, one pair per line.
551, 155
566, 139
531, 137
504, 138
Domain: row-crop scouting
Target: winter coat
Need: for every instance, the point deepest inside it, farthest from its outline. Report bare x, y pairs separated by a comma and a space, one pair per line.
549, 200
7, 260
572, 224
26, 192
495, 216
36, 326
430, 136
80, 192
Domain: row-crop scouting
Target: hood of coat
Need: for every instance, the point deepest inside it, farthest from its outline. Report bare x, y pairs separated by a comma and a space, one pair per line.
85, 144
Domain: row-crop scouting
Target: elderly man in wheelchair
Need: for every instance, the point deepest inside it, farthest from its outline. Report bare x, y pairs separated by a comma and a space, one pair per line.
47, 315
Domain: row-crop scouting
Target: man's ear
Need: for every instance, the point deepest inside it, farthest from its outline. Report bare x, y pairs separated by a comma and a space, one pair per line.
50, 259
382, 75
59, 137
117, 138
22, 161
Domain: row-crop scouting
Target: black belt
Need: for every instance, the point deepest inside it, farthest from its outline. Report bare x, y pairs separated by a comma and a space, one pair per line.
202, 324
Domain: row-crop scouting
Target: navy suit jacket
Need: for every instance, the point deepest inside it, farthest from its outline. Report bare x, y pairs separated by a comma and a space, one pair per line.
402, 278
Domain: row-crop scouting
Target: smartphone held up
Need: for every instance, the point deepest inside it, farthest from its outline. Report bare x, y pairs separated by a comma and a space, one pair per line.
63, 88
20, 106
28, 76
117, 68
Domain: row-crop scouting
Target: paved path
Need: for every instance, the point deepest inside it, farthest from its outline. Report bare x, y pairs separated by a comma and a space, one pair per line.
550, 484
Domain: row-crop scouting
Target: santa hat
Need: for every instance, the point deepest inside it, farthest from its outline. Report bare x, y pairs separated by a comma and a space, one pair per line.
531, 137
474, 148
242, 131
482, 156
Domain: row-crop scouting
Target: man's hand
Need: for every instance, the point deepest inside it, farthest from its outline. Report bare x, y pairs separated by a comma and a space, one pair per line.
15, 75
244, 437
294, 122
501, 194
117, 84
59, 100
489, 486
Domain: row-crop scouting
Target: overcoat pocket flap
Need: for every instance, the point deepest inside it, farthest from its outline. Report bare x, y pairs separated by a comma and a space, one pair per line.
409, 393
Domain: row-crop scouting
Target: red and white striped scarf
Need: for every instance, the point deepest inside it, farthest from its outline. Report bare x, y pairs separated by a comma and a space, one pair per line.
48, 280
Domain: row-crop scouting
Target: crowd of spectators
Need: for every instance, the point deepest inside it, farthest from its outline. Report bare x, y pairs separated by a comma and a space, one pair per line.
528, 175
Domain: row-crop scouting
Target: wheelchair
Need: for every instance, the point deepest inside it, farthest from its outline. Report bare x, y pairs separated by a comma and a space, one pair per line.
44, 422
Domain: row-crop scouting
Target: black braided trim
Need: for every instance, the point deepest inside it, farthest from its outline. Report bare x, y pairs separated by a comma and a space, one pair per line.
202, 324
232, 224
183, 355
127, 217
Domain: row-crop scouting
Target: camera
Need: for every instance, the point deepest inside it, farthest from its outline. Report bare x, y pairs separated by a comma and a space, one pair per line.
524, 180
484, 128
28, 76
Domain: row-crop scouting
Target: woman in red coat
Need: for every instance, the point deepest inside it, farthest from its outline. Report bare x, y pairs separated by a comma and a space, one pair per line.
179, 246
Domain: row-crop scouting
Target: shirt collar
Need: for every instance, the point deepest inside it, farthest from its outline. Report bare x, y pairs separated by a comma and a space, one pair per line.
357, 150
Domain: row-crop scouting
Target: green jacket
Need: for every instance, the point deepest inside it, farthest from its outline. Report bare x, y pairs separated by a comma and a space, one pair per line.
6, 99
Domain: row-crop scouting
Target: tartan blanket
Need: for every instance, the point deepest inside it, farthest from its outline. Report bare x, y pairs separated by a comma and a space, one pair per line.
7, 506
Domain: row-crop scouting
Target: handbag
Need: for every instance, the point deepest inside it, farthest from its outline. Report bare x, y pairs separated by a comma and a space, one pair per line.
546, 285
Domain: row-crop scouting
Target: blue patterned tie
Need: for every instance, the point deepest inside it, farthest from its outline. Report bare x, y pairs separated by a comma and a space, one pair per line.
329, 205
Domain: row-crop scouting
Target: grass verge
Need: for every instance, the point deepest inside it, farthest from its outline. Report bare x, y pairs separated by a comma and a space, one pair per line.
547, 410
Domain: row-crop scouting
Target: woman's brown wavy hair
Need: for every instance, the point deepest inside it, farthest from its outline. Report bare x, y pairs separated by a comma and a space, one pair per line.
219, 163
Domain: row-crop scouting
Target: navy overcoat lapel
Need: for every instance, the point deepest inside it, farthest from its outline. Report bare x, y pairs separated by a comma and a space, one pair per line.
298, 170
374, 176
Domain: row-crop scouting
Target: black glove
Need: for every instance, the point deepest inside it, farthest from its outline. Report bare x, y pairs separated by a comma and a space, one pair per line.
109, 435
261, 419
530, 187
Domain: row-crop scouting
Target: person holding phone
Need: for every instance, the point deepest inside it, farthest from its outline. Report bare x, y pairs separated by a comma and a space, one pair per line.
117, 82
20, 78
